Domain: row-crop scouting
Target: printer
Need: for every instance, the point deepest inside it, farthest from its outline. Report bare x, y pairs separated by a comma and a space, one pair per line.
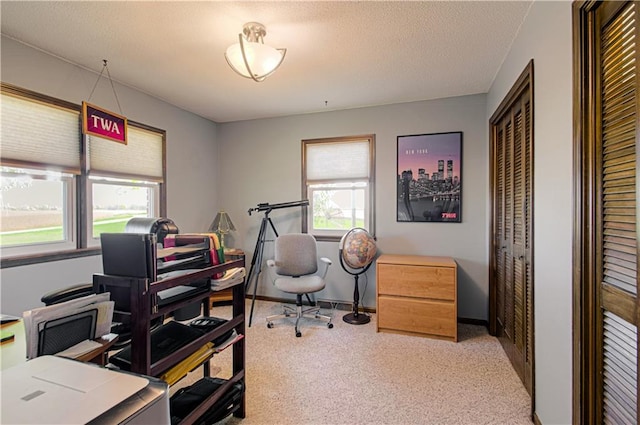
57, 390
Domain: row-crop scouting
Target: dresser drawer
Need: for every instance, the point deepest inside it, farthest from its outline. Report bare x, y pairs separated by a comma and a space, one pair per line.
416, 281
437, 318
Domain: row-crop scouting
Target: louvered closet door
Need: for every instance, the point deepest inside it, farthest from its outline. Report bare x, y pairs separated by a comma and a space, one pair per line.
617, 217
511, 134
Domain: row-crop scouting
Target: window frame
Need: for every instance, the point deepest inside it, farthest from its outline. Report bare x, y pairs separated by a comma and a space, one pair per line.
69, 217
153, 207
329, 235
81, 198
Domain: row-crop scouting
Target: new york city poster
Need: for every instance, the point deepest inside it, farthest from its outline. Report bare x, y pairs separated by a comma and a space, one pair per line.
429, 178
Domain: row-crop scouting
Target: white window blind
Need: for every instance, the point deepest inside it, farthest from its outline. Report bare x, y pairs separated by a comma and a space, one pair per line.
337, 160
39, 136
141, 156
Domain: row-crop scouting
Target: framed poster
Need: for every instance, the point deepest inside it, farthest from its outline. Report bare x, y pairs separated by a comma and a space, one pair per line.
429, 177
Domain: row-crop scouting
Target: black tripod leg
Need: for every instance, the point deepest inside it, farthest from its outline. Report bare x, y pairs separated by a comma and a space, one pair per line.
275, 232
255, 287
255, 254
311, 303
257, 259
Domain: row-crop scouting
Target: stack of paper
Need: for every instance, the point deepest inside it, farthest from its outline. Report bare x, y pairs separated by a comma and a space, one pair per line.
36, 319
79, 349
231, 277
235, 337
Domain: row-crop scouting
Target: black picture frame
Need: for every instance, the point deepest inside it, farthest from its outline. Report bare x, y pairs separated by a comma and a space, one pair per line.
429, 178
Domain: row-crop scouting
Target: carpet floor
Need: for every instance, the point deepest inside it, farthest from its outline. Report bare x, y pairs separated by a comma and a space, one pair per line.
353, 375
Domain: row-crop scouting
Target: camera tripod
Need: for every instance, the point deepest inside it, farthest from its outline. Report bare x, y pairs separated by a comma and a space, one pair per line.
254, 272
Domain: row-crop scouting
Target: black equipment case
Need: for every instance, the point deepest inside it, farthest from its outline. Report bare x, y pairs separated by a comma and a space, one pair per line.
186, 399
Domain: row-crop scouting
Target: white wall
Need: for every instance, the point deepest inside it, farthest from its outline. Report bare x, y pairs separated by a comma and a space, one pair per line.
191, 159
546, 37
261, 162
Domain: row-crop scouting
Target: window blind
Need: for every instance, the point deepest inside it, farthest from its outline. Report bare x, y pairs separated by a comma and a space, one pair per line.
39, 136
337, 160
141, 156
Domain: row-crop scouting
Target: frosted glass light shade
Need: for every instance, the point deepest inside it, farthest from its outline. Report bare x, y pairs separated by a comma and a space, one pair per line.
262, 60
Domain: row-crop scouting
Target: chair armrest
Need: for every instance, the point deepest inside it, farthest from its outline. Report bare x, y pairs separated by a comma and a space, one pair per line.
326, 262
66, 294
271, 270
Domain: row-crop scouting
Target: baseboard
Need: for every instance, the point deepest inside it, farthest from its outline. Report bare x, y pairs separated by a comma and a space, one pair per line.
323, 303
536, 420
477, 322
348, 306
335, 305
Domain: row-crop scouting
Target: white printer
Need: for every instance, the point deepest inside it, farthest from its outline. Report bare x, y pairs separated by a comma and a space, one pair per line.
56, 390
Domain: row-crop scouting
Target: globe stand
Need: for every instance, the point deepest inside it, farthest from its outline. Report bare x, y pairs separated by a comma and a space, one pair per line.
356, 318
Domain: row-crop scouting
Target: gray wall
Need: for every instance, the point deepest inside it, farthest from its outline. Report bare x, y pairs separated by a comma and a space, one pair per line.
261, 162
545, 36
191, 158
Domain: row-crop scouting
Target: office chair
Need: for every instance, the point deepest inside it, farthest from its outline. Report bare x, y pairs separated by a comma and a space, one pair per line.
294, 271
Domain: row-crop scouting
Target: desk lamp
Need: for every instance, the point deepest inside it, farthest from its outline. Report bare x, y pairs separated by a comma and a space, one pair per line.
223, 225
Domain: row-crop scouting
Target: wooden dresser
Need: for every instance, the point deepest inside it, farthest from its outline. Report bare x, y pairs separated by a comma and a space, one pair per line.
417, 295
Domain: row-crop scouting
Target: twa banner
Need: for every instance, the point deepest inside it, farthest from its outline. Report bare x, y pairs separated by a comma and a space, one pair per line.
102, 123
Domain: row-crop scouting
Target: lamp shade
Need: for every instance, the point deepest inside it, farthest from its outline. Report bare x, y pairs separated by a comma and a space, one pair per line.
222, 223
250, 57
262, 59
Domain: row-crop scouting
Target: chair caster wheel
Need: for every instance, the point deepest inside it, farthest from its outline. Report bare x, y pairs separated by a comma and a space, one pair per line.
270, 325
298, 334
330, 325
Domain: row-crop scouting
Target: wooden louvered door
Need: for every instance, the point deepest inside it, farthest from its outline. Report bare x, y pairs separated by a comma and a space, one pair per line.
511, 303
608, 313
617, 217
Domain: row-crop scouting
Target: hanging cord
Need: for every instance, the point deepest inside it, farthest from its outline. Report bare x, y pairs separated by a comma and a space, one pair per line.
104, 66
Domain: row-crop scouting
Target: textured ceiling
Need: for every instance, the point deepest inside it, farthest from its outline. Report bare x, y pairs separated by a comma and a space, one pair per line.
340, 55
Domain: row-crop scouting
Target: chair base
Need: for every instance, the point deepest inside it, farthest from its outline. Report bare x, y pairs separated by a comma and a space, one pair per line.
310, 313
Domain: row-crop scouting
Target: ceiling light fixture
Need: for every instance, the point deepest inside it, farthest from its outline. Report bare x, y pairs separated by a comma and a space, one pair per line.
251, 58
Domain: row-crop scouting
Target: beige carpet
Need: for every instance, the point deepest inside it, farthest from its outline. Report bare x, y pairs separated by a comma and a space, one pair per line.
353, 375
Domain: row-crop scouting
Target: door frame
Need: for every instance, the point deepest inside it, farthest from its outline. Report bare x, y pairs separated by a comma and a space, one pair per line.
584, 289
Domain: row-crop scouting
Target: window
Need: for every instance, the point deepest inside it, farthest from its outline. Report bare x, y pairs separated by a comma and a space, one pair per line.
37, 211
115, 201
338, 177
124, 181
60, 189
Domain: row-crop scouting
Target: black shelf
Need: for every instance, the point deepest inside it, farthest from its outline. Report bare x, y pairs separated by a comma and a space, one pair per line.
142, 300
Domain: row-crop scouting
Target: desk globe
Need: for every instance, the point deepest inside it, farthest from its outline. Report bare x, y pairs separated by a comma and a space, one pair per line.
357, 251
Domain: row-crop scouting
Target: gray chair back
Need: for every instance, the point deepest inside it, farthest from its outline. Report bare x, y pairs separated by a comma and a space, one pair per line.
296, 254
